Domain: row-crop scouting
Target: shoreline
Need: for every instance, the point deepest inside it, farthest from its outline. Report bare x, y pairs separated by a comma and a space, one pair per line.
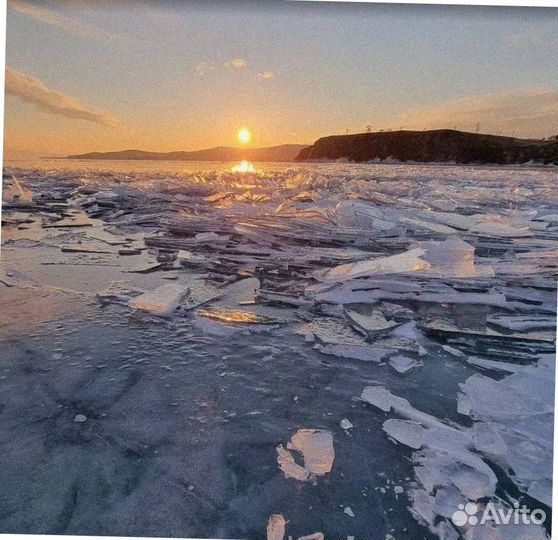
449, 164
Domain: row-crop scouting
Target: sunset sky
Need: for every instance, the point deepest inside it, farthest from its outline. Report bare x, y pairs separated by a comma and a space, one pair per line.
187, 75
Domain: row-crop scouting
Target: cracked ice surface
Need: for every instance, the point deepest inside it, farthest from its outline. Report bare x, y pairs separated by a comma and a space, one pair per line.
195, 321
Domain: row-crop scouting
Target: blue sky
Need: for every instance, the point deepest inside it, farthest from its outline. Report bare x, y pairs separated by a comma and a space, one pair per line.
185, 75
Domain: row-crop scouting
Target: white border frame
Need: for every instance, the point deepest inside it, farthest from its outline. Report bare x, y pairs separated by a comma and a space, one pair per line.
532, 3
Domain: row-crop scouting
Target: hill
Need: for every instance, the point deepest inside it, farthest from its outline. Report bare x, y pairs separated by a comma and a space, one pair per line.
431, 146
281, 153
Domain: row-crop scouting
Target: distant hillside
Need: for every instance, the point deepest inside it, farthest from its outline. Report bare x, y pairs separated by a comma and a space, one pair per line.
284, 152
437, 145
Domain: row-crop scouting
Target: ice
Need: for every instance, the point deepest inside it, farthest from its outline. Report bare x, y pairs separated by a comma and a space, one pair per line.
403, 364
541, 490
453, 351
360, 215
364, 352
146, 268
378, 396
14, 191
448, 439
199, 293
116, 293
187, 257
129, 251
494, 400
161, 301
389, 264
241, 292
214, 328
514, 416
448, 470
369, 323
500, 229
276, 527
347, 510
334, 338
451, 258
487, 439
88, 248
385, 400
521, 323
409, 261
316, 448
473, 483
78, 221
511, 531
491, 365
457, 221
397, 312
406, 432
447, 500
237, 316
443, 326
434, 227
211, 237
423, 506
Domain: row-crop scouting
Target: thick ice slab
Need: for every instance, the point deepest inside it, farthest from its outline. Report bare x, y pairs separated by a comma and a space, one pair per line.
316, 448
160, 301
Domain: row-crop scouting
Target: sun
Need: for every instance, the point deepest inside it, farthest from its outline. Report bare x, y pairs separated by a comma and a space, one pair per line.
244, 136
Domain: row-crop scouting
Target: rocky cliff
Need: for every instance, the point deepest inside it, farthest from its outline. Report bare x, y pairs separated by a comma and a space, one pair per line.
432, 146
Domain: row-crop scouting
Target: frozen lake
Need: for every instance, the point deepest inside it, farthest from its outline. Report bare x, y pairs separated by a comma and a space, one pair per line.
281, 296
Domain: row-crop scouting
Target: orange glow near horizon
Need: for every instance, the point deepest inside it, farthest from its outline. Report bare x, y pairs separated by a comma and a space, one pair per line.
244, 136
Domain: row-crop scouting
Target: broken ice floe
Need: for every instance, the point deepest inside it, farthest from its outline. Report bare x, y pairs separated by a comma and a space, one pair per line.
335, 338
160, 301
237, 316
514, 423
316, 448
451, 258
403, 364
410, 261
513, 429
445, 466
369, 322
276, 529
409, 433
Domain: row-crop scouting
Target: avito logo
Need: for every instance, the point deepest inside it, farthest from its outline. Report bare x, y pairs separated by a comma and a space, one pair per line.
467, 514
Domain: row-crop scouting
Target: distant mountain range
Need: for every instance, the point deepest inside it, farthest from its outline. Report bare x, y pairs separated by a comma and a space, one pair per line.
441, 145
281, 153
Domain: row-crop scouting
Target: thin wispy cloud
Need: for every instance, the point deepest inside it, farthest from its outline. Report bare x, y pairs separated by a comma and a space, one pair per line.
529, 112
266, 75
237, 63
203, 68
53, 18
32, 90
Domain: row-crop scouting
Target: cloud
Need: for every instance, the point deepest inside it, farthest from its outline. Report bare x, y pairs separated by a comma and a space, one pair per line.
32, 90
266, 75
203, 68
47, 16
237, 63
529, 113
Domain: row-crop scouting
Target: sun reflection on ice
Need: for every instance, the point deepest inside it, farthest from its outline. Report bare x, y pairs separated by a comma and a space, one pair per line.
243, 167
